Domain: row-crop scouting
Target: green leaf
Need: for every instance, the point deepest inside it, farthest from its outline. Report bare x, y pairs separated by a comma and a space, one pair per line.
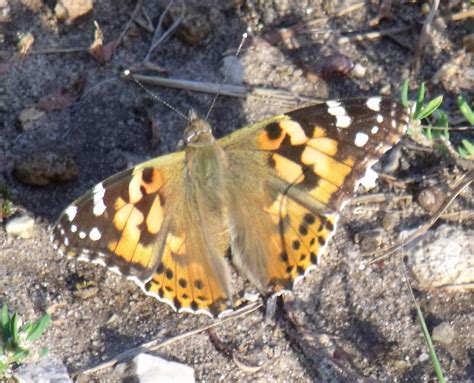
465, 110
420, 97
3, 369
14, 322
38, 328
4, 320
466, 152
20, 354
428, 109
428, 132
429, 344
441, 118
404, 93
463, 153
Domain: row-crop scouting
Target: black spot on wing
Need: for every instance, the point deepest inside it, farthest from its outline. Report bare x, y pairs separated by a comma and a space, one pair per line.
273, 130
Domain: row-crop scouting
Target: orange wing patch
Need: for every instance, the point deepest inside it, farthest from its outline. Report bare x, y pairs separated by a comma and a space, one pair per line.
311, 162
117, 223
184, 282
299, 238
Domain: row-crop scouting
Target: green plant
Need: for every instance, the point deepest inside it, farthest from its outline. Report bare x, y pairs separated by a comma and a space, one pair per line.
6, 205
438, 120
16, 339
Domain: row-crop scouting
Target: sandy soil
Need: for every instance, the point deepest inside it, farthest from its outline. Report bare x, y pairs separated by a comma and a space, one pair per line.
344, 321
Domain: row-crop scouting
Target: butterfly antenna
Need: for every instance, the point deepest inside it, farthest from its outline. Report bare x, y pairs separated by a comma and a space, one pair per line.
128, 74
242, 41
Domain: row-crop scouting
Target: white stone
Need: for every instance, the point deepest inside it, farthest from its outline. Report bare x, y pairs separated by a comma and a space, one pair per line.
233, 70
149, 369
21, 226
443, 333
442, 259
47, 370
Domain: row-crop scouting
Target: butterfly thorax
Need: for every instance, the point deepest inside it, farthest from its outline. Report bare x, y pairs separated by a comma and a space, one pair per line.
206, 162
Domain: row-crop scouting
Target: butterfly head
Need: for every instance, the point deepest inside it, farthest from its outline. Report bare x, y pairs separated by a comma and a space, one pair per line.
198, 132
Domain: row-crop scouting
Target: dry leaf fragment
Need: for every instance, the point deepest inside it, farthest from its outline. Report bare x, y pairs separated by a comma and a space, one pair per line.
66, 96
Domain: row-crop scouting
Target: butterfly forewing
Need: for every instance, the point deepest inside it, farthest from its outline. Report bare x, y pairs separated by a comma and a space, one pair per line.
310, 162
138, 223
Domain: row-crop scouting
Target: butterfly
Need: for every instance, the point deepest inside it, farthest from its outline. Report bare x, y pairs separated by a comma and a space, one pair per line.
270, 192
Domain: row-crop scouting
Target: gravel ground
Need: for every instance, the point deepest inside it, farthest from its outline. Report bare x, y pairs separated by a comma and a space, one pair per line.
344, 321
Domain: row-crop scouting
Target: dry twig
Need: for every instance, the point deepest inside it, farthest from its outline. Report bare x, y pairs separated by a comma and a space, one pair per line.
155, 344
286, 98
372, 35
379, 197
423, 38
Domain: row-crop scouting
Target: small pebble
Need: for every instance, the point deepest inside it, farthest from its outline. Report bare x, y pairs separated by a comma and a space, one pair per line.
389, 221
43, 167
443, 333
442, 258
359, 71
195, 23
27, 116
336, 65
21, 226
468, 42
370, 239
145, 368
430, 199
233, 70
423, 357
392, 160
46, 370
69, 10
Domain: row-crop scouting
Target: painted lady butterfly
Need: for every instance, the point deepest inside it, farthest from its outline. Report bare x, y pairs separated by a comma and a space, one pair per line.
271, 192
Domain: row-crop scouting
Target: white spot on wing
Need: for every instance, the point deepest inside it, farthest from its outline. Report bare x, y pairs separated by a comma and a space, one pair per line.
373, 103
379, 118
71, 212
369, 180
361, 139
73, 228
94, 234
99, 208
333, 103
337, 111
98, 191
66, 241
374, 129
343, 121
82, 235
